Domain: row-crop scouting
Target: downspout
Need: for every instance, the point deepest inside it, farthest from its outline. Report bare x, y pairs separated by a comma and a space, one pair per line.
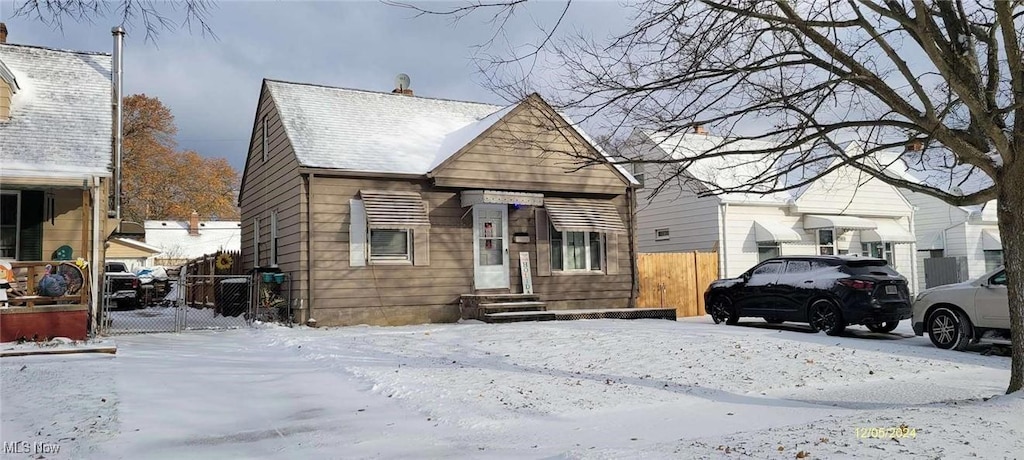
913, 252
634, 291
723, 259
94, 267
306, 311
118, 77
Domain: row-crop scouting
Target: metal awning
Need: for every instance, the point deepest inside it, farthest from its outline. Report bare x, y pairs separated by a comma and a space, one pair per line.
771, 232
888, 230
395, 210
584, 215
932, 241
991, 240
471, 197
812, 222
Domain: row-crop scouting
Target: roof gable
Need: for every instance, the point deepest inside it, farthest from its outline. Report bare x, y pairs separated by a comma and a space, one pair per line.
61, 123
530, 139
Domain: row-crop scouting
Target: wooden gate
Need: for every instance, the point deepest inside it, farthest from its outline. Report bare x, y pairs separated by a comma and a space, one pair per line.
676, 280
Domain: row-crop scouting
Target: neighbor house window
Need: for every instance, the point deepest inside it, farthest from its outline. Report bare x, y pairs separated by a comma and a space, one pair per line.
826, 241
879, 250
993, 259
387, 244
766, 251
661, 234
638, 173
576, 251
9, 225
273, 237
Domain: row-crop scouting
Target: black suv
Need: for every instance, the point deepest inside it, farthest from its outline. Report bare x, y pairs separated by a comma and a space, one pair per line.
827, 292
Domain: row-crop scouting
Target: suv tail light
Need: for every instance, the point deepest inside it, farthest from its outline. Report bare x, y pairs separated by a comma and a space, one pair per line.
135, 283
859, 285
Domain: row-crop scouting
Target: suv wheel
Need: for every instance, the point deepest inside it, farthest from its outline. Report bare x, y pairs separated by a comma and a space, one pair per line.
824, 315
721, 310
948, 329
883, 328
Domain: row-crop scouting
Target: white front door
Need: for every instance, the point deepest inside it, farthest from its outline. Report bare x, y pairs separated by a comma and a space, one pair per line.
490, 246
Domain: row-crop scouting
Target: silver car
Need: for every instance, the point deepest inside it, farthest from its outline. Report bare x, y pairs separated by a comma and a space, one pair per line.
956, 315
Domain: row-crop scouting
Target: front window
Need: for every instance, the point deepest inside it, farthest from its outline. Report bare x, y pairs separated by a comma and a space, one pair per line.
766, 251
879, 251
576, 251
826, 241
389, 245
993, 259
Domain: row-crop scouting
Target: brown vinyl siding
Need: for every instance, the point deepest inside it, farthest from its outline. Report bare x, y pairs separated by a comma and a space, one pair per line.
274, 185
548, 162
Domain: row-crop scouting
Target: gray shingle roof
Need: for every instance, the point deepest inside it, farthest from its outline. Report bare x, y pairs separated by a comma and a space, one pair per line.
61, 117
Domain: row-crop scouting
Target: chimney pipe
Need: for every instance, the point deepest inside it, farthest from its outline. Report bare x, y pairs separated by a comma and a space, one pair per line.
3, 33
118, 80
193, 224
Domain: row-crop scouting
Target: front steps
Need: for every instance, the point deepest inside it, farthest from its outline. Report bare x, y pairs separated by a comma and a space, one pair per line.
509, 308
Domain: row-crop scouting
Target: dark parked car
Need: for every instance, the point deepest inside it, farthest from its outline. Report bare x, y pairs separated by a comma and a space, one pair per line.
827, 292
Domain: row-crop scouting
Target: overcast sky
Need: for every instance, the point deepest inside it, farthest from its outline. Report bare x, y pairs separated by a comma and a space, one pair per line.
212, 85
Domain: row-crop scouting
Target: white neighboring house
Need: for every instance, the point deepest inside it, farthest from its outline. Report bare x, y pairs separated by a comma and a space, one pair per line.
181, 241
968, 233
134, 254
845, 212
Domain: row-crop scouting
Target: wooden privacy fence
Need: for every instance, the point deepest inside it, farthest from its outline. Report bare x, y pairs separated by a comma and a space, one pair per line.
676, 280
203, 273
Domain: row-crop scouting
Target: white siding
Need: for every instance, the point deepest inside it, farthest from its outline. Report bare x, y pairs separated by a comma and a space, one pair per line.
692, 222
974, 249
848, 191
740, 243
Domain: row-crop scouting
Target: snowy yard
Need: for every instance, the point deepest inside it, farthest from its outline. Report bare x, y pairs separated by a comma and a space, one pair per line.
572, 389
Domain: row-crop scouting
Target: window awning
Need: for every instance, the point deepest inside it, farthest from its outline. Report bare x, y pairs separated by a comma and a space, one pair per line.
991, 240
933, 241
812, 222
584, 215
396, 210
888, 230
771, 232
471, 197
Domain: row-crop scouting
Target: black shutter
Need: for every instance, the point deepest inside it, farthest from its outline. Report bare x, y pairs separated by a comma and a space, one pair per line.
31, 231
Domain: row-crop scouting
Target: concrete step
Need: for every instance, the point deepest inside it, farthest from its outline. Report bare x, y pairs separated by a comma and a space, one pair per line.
504, 307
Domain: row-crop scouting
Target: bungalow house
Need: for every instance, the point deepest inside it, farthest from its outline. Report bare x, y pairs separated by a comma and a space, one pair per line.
844, 212
389, 208
181, 241
55, 172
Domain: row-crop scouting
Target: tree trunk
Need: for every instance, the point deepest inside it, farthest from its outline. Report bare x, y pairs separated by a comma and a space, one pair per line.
1011, 231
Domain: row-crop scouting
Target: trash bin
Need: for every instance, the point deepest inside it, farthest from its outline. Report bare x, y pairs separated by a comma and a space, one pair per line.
232, 296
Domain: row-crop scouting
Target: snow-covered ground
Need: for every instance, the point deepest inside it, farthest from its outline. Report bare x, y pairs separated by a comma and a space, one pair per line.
572, 389
169, 319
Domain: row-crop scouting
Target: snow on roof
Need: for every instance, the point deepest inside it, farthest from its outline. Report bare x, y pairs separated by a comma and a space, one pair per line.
374, 132
174, 241
61, 114
729, 171
368, 131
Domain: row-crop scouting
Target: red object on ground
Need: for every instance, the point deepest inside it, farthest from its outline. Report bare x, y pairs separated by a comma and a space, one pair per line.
44, 322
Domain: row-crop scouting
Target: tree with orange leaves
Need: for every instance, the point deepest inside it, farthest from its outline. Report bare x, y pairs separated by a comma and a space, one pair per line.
161, 182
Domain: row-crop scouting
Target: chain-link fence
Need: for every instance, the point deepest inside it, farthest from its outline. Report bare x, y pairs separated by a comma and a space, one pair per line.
191, 302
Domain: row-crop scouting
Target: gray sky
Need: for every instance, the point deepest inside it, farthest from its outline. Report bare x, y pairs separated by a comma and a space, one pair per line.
211, 86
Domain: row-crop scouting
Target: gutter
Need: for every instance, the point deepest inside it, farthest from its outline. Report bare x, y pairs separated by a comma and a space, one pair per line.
306, 311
